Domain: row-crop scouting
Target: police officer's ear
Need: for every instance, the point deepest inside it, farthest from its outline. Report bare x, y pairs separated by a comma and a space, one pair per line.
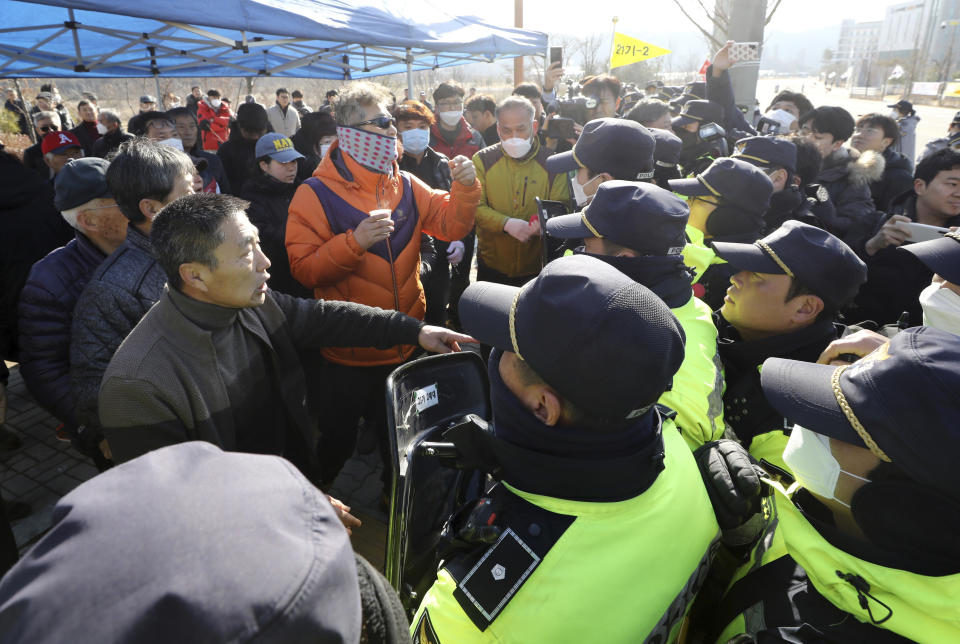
806, 308
548, 405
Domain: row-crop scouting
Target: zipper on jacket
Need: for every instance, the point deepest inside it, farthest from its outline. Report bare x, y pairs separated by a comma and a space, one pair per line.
523, 200
393, 268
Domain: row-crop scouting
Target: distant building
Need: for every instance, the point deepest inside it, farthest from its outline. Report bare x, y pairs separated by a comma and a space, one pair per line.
857, 51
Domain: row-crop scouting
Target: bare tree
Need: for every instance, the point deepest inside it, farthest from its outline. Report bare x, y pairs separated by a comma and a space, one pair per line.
592, 54
714, 25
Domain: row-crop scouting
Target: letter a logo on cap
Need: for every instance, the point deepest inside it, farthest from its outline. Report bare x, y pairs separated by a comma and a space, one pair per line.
64, 139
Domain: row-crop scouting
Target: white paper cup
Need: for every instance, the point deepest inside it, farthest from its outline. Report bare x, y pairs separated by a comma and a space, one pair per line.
378, 211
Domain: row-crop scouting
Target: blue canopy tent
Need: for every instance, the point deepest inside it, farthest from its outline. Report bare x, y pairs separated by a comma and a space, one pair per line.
284, 38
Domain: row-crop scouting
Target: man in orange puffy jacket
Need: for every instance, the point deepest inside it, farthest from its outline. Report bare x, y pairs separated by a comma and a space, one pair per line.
214, 117
353, 234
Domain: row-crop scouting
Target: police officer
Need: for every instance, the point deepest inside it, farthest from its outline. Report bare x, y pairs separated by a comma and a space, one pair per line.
867, 549
777, 157
666, 156
607, 149
597, 482
638, 228
727, 202
697, 152
782, 303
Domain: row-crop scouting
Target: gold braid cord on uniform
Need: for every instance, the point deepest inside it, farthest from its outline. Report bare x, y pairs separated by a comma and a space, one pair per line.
512, 322
774, 256
851, 417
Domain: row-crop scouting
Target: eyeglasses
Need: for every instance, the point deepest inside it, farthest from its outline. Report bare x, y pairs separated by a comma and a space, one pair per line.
50, 128
382, 122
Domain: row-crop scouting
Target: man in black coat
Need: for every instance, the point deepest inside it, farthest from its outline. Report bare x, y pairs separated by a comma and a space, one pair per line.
880, 133
239, 151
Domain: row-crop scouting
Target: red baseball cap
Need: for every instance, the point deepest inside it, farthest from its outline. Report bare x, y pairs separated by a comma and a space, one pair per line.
57, 142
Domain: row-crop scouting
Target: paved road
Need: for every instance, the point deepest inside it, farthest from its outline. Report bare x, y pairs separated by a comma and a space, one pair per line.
933, 119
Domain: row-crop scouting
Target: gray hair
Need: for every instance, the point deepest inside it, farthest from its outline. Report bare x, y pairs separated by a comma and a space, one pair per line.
44, 114
356, 96
110, 115
516, 102
648, 110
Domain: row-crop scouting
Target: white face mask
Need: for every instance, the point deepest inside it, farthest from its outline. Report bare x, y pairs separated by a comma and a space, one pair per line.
941, 308
173, 105
783, 117
579, 195
894, 114
215, 103
172, 143
516, 148
450, 118
324, 148
416, 140
101, 128
813, 465
56, 98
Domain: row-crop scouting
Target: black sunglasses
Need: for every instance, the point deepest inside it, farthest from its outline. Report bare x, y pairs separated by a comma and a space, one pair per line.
50, 128
382, 122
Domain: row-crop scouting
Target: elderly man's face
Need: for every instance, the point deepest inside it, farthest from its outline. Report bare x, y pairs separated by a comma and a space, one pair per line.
240, 278
107, 123
160, 130
515, 123
88, 113
60, 159
186, 130
147, 107
376, 111
43, 104
47, 125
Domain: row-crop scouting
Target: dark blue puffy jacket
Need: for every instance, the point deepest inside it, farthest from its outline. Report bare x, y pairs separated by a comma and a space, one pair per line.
119, 293
45, 316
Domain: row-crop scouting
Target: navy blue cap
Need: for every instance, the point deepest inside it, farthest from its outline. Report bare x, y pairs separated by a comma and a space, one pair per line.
699, 111
942, 256
767, 151
731, 180
697, 89
188, 543
80, 181
817, 259
628, 343
667, 150
640, 216
620, 147
903, 106
903, 396
278, 147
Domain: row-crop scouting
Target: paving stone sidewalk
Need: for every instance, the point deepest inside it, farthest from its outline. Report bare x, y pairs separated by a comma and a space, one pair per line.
46, 468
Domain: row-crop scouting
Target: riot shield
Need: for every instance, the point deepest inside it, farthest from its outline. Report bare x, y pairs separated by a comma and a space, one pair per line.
425, 397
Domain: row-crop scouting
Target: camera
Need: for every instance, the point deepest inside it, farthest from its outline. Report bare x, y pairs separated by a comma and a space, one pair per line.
576, 108
768, 127
715, 137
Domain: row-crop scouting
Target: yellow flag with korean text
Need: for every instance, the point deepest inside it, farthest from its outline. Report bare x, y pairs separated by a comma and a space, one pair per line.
628, 50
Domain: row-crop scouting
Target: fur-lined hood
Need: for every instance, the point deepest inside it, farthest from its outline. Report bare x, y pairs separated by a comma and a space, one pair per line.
860, 168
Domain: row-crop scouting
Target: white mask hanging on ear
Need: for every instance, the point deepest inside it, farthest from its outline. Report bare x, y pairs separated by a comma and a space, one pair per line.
941, 308
813, 465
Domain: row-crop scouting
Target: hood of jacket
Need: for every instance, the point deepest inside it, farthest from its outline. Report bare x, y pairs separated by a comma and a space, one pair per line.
214, 546
860, 168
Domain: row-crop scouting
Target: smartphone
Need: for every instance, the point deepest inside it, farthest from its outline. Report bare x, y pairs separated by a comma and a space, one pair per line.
560, 128
741, 52
556, 55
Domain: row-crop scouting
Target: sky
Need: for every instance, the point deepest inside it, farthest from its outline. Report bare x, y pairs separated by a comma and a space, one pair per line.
646, 19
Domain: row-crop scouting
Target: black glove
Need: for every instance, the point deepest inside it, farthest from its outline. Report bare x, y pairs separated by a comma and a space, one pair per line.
732, 479
205, 126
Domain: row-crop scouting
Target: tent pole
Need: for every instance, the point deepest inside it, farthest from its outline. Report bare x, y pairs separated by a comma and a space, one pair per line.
156, 79
31, 130
410, 75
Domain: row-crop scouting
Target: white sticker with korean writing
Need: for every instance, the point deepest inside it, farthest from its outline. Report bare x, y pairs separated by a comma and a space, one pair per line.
427, 397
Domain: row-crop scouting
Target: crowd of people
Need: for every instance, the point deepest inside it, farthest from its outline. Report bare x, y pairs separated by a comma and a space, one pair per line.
720, 347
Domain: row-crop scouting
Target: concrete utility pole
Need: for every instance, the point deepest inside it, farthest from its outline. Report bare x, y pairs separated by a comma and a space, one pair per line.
746, 18
518, 61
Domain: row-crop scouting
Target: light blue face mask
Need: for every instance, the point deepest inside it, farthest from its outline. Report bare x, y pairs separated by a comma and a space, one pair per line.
415, 141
